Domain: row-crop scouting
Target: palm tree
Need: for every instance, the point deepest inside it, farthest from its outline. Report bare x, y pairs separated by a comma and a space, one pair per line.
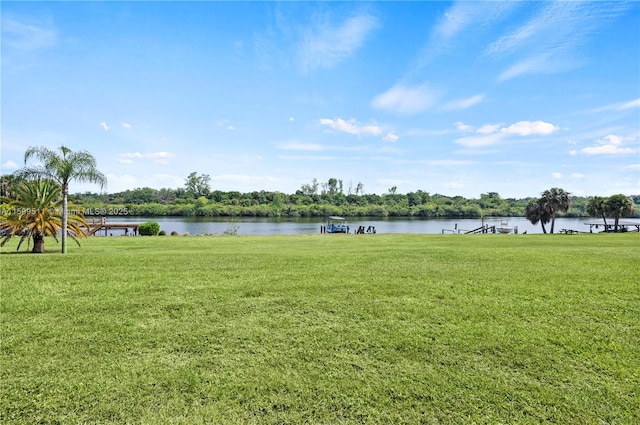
556, 200
35, 213
618, 206
597, 207
537, 211
70, 165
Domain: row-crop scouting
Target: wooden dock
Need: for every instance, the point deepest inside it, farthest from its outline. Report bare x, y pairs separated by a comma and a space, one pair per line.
96, 226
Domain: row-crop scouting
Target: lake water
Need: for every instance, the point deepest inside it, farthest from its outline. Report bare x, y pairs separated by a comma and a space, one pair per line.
282, 226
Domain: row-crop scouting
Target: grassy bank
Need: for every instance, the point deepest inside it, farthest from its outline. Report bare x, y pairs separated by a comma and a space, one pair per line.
323, 329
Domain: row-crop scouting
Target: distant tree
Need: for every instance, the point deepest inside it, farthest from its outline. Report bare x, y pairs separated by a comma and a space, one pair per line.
197, 186
8, 186
332, 186
359, 189
310, 189
537, 211
597, 207
556, 200
62, 168
35, 213
393, 190
618, 206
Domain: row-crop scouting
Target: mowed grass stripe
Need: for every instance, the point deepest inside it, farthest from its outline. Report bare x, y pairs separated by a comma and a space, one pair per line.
324, 329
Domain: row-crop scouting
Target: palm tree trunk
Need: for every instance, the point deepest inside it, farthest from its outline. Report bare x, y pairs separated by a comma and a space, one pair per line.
38, 243
544, 229
64, 219
553, 222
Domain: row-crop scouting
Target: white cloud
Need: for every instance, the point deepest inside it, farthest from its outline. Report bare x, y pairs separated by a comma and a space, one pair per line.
406, 100
481, 141
463, 103
463, 127
9, 165
488, 129
557, 175
527, 128
325, 45
104, 126
291, 119
351, 127
160, 158
391, 137
609, 145
492, 134
126, 125
577, 175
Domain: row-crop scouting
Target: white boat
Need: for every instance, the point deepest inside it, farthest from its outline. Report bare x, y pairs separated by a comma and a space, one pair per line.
504, 227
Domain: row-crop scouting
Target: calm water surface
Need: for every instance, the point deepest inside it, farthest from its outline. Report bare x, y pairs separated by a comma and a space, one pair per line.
271, 226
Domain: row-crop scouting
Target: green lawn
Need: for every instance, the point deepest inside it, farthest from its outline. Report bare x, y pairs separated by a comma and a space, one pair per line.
330, 329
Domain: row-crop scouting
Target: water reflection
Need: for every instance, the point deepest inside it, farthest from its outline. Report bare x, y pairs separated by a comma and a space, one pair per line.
281, 226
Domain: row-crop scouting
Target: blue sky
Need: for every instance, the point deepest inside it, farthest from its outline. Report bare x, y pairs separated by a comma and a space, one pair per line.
456, 98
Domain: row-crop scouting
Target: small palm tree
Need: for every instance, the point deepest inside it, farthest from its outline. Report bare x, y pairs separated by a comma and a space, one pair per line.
62, 168
556, 200
597, 207
35, 213
618, 206
537, 211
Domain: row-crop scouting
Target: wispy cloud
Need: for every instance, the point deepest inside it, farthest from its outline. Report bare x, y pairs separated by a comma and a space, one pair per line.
406, 100
159, 158
315, 147
460, 17
325, 44
461, 104
621, 106
544, 44
298, 146
226, 124
27, 37
104, 126
609, 145
391, 137
481, 141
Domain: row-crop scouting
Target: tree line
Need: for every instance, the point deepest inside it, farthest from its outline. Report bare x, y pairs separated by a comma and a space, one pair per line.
320, 199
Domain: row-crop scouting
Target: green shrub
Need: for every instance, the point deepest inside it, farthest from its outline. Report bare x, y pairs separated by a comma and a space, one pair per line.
174, 233
150, 228
162, 233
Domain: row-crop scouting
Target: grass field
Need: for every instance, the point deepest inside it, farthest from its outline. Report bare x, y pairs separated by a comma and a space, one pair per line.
329, 329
